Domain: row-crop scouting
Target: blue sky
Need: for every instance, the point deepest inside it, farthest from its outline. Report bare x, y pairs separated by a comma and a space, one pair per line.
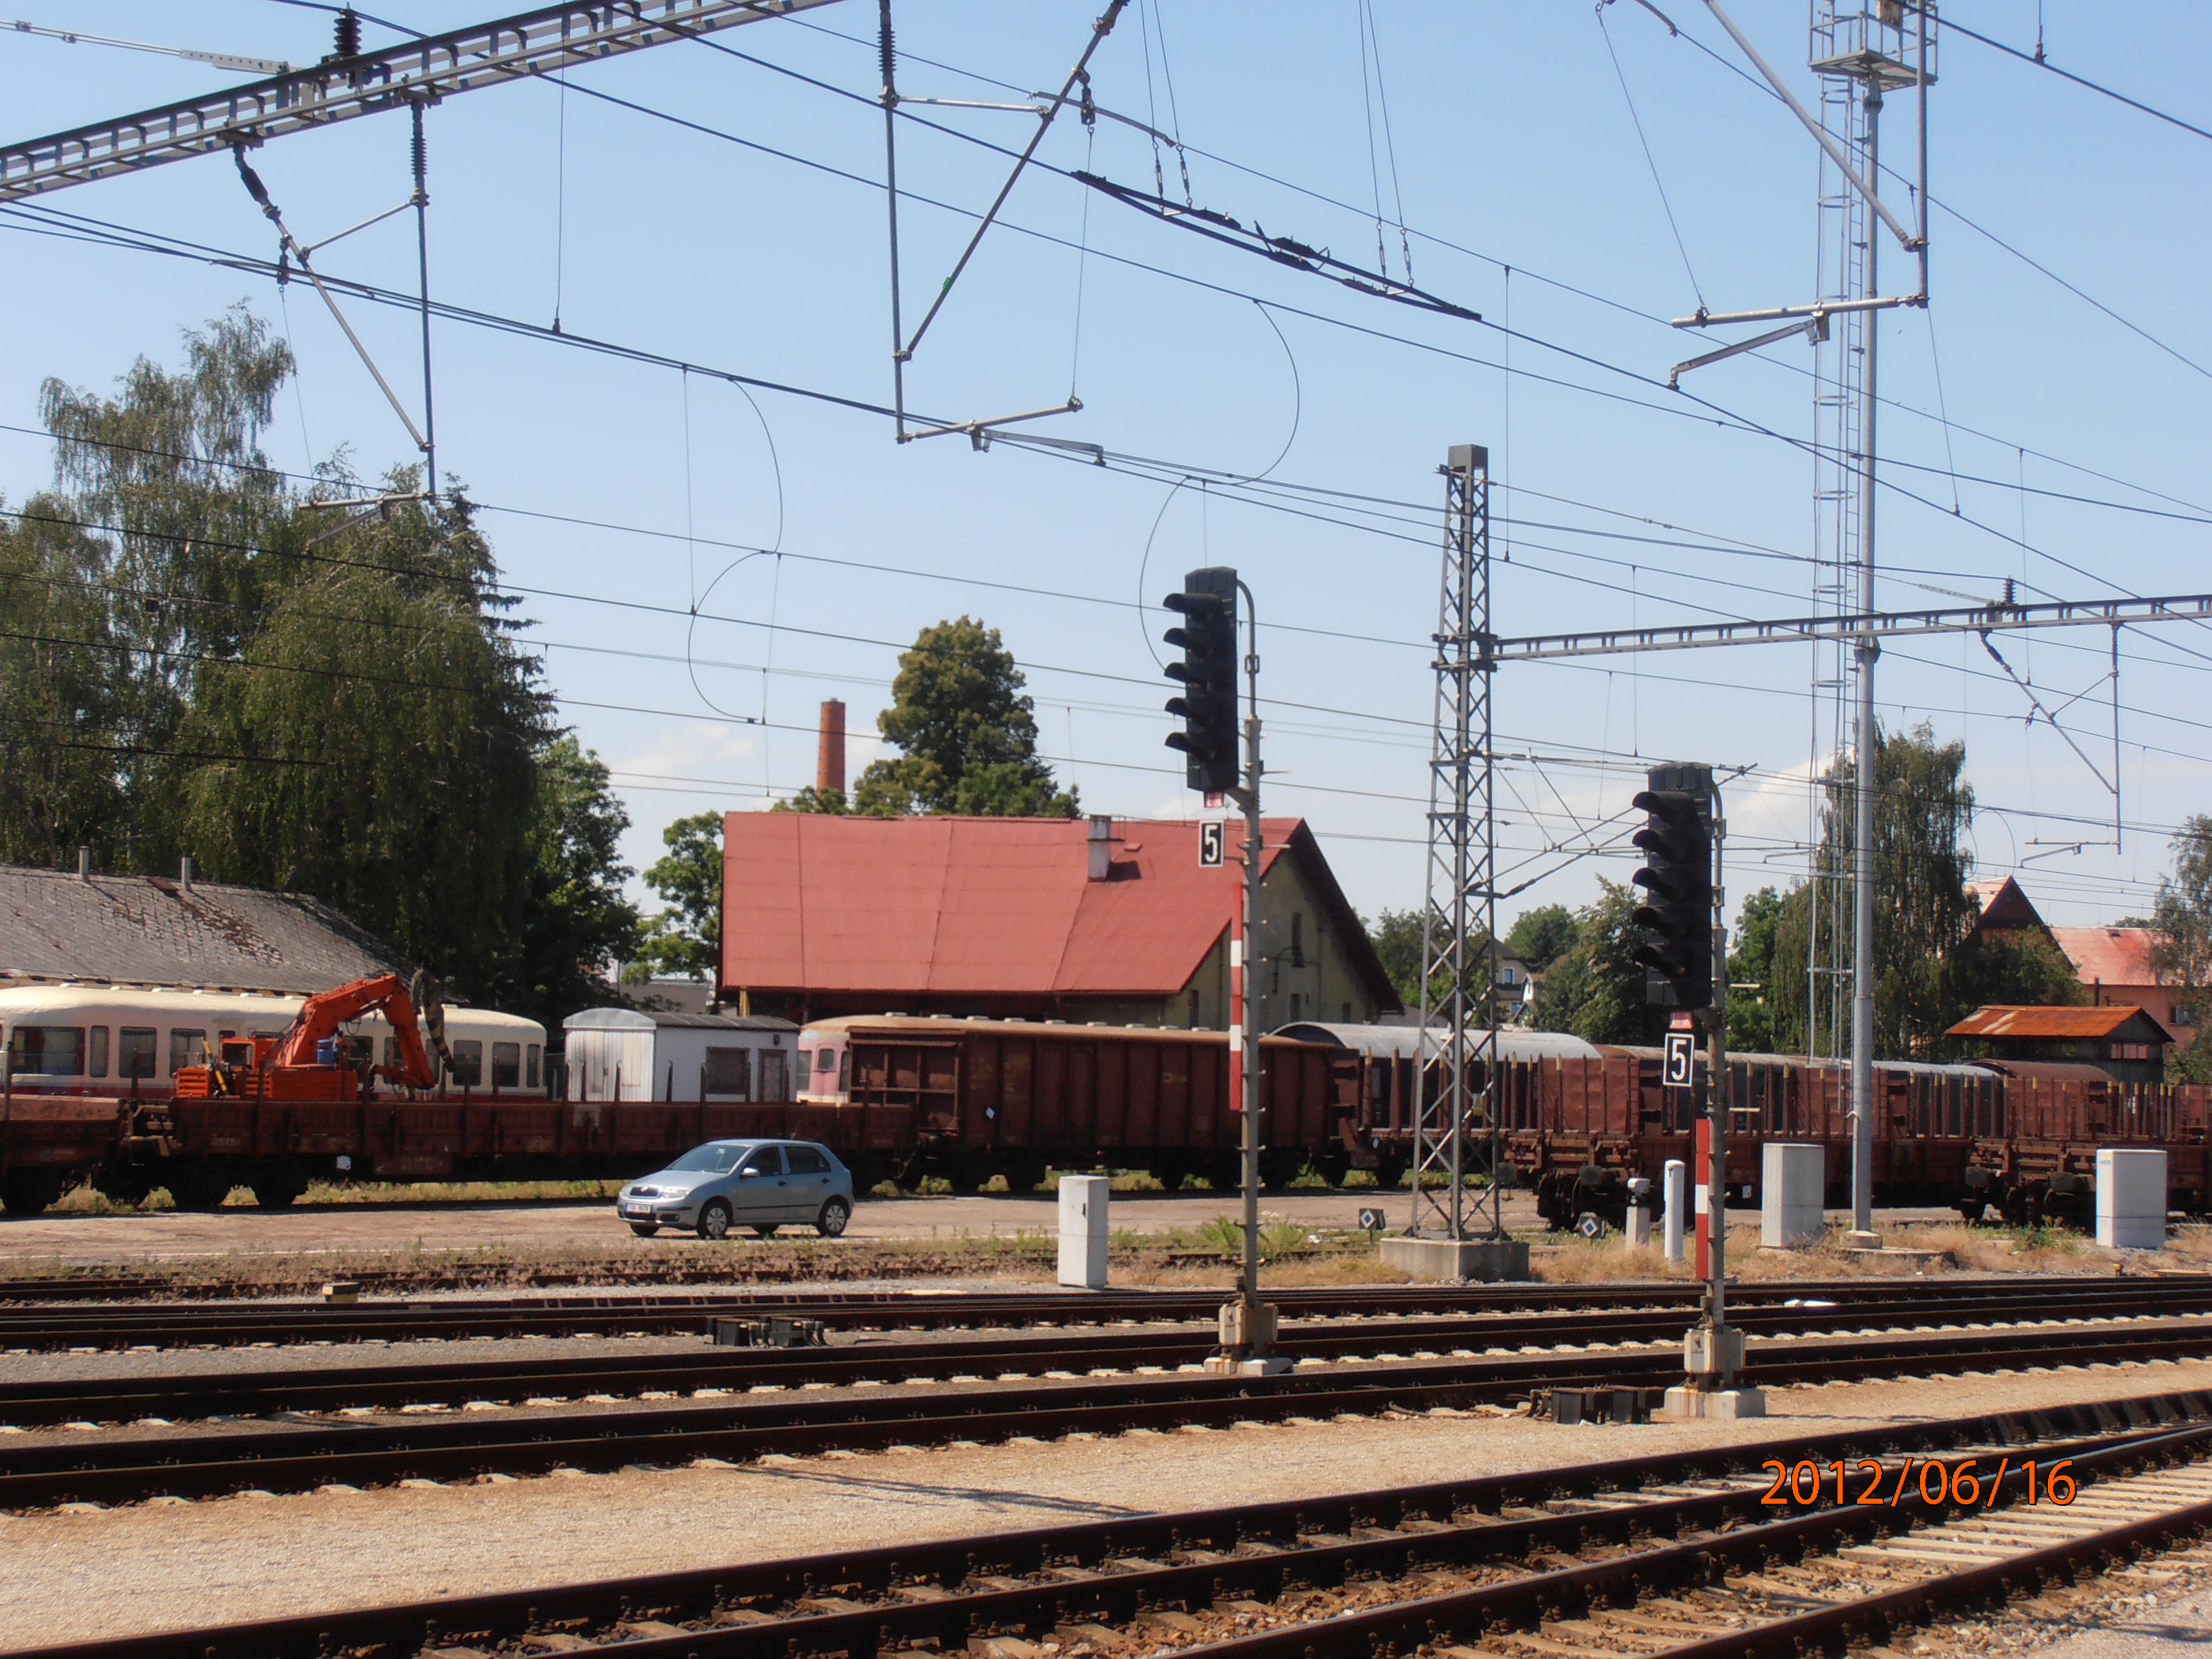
620, 496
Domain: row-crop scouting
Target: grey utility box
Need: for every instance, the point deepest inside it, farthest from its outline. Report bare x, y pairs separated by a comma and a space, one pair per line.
2130, 1198
1791, 1181
1083, 1200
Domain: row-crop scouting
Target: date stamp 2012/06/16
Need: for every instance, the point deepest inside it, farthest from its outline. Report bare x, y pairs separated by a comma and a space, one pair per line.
1807, 1483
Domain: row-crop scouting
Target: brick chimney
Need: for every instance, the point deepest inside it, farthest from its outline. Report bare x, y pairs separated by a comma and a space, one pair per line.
829, 752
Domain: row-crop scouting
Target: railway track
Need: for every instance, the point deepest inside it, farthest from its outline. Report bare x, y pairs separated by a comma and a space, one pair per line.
235, 1324
1683, 1554
308, 1453
1037, 1353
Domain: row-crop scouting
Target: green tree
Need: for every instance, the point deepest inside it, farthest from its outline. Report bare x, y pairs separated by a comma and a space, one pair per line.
967, 733
2182, 952
1594, 990
62, 766
195, 656
1396, 937
577, 925
1540, 937
831, 802
1931, 969
686, 940
386, 738
1752, 967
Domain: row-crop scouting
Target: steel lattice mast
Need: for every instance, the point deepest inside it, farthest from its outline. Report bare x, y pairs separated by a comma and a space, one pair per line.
1459, 920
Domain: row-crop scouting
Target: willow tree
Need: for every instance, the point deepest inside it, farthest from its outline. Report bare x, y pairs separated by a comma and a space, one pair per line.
197, 656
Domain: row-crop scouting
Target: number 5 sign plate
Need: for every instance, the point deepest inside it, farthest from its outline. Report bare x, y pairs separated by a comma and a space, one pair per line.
1679, 1049
1209, 844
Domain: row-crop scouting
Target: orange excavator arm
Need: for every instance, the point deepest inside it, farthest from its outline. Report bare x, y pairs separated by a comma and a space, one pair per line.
320, 1018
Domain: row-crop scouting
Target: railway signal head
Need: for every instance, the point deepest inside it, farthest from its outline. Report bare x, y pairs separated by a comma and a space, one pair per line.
1207, 706
1676, 918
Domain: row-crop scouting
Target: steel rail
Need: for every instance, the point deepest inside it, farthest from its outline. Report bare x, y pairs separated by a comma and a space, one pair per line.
864, 1602
128, 1468
235, 1321
544, 41
454, 1383
1621, 1581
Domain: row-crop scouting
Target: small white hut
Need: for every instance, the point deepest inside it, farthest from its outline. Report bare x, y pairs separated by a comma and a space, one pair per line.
629, 1054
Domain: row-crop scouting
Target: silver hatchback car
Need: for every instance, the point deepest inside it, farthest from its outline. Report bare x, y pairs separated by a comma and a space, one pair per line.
760, 1184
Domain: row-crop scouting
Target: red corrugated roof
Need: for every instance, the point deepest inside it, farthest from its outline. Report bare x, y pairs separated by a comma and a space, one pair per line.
2116, 956
981, 905
2002, 1021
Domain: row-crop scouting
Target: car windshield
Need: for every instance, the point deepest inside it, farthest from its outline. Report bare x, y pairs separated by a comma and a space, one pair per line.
716, 1158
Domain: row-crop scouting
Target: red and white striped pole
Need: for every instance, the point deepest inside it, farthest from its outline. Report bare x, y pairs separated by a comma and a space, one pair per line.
1702, 1185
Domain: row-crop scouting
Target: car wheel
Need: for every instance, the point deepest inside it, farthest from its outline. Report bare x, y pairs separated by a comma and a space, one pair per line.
765, 1230
830, 1223
714, 1220
644, 1229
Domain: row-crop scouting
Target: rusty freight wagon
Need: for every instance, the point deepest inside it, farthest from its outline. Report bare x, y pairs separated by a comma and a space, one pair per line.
968, 1099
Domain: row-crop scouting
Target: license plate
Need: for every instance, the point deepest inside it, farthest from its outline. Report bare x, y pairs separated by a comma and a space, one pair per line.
635, 1209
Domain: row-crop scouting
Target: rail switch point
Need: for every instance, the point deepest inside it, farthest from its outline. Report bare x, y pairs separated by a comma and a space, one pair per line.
1721, 1405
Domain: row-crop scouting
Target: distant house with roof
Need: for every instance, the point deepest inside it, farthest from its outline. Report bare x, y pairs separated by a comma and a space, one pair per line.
2124, 1041
152, 932
1112, 921
2113, 965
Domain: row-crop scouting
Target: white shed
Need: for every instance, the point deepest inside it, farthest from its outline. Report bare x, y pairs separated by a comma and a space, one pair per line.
629, 1054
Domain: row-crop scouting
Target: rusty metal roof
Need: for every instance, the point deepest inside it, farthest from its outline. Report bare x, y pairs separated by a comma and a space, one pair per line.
1999, 1020
952, 906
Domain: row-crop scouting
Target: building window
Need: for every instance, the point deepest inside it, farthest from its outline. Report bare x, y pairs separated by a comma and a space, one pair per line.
134, 1051
1297, 940
47, 1051
1506, 976
506, 1065
730, 1072
468, 1062
186, 1048
2180, 1015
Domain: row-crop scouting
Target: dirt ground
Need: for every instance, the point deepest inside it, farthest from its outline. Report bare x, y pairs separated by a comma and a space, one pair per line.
175, 1235
66, 1577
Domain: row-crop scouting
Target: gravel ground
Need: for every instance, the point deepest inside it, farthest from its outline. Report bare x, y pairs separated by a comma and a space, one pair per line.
69, 1578
175, 1235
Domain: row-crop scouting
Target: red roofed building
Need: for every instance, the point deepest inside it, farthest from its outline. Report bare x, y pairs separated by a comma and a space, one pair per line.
1103, 920
2115, 964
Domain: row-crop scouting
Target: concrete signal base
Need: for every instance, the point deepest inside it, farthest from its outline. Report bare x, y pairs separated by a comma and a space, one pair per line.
1487, 1261
1723, 1405
1228, 1365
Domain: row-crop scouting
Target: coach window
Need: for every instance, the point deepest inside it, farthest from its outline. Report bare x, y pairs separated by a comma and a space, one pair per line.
47, 1050
532, 1064
97, 1049
134, 1051
730, 1072
468, 1062
506, 1065
186, 1048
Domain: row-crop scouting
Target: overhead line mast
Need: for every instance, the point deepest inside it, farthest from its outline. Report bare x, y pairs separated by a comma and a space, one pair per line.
1861, 49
